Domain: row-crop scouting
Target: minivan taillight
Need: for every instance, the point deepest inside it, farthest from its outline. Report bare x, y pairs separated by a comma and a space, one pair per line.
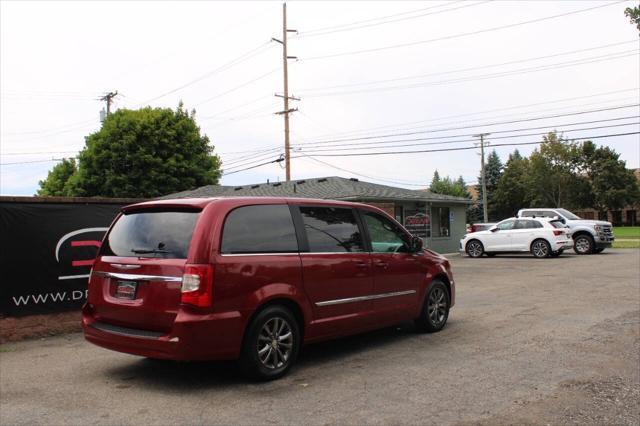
197, 285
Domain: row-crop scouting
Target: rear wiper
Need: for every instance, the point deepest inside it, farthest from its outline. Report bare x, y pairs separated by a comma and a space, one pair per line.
148, 251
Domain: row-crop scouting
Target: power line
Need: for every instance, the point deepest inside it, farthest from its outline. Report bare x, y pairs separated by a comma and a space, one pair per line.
242, 58
333, 149
240, 86
363, 175
31, 162
237, 107
416, 76
538, 68
551, 126
471, 126
354, 26
278, 160
460, 35
462, 148
403, 126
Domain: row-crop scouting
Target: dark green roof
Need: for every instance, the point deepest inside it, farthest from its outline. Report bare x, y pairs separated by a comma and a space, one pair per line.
328, 188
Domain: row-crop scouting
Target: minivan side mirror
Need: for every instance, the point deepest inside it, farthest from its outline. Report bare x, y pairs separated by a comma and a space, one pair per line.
416, 244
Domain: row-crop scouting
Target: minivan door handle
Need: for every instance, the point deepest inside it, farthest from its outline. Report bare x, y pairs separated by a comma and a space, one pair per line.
362, 265
382, 265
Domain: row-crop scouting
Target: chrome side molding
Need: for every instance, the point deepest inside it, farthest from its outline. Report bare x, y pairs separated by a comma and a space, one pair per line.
122, 266
138, 277
364, 298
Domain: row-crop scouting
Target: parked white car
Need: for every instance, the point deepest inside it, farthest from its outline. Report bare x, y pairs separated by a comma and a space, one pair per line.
543, 237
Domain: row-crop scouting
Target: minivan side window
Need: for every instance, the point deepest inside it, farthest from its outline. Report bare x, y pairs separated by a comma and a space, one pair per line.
331, 229
386, 236
259, 229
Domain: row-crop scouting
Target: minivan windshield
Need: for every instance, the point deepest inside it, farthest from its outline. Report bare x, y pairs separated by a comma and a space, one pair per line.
163, 234
567, 214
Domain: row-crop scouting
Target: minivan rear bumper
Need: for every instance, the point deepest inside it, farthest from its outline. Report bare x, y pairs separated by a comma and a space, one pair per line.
213, 336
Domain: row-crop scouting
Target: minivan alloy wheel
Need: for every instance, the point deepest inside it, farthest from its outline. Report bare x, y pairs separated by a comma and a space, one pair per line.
437, 306
275, 343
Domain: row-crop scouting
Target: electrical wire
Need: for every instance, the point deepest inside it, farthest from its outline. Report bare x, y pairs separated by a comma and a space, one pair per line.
460, 35
517, 61
240, 86
363, 175
547, 67
333, 149
353, 26
473, 126
463, 148
278, 160
242, 58
405, 125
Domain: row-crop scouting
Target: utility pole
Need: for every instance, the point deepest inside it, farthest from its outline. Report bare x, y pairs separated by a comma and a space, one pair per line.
108, 98
484, 181
285, 96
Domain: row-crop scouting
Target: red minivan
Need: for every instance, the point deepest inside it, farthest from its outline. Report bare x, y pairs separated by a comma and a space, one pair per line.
255, 278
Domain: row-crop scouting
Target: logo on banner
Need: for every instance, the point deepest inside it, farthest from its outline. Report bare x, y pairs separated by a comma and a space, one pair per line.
76, 250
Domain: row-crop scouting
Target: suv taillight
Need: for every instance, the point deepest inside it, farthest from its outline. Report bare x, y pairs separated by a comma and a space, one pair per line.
197, 285
557, 232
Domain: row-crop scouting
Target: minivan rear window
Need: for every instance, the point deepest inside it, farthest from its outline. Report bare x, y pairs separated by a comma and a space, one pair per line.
162, 234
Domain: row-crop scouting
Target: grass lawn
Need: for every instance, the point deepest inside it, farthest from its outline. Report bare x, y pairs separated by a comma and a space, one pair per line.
627, 243
627, 231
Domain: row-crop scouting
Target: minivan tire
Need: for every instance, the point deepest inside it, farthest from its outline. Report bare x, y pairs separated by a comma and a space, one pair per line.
430, 321
272, 334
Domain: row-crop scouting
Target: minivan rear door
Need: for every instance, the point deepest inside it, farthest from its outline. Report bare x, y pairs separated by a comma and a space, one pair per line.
136, 279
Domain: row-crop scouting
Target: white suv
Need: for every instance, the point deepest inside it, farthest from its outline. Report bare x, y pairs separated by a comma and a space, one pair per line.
541, 236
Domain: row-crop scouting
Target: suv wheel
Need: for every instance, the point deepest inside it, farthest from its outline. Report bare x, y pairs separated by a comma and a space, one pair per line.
583, 244
474, 248
540, 248
271, 344
435, 309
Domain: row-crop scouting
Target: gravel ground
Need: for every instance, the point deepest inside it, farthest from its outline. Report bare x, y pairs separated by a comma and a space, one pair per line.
552, 341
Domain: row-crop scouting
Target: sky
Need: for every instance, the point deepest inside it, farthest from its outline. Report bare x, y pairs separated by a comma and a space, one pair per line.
372, 77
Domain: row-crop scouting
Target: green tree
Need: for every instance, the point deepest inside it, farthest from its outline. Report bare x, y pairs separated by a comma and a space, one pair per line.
492, 173
512, 191
633, 13
448, 186
57, 182
553, 179
610, 185
145, 153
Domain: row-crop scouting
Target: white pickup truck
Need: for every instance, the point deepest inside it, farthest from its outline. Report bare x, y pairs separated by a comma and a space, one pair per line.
589, 236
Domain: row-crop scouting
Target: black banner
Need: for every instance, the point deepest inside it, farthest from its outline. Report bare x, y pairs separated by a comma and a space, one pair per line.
46, 254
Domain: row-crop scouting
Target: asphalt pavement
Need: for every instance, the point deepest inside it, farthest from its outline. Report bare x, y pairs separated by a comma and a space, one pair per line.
530, 341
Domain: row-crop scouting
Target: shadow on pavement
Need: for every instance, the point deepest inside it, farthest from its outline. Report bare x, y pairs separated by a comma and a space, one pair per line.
198, 375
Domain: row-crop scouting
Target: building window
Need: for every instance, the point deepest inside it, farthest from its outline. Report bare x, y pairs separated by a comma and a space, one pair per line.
398, 214
441, 221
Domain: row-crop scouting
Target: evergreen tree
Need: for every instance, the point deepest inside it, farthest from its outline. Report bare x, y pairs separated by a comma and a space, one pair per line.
492, 172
